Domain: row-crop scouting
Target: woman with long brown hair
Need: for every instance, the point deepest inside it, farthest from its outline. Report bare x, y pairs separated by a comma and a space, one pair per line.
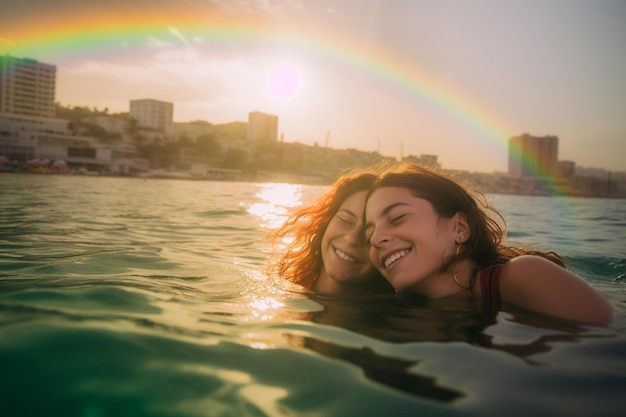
432, 236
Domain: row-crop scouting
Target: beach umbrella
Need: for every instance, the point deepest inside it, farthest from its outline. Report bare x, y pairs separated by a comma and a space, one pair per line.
60, 166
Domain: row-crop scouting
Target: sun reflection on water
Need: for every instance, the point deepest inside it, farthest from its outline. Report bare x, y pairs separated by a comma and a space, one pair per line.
262, 298
278, 200
264, 304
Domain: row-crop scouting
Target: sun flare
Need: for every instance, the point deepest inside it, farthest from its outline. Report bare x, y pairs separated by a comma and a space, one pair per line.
284, 83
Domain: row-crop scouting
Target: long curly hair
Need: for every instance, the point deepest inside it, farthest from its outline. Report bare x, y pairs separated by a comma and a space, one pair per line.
449, 196
301, 261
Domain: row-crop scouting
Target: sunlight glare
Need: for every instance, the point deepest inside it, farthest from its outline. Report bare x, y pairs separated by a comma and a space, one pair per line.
266, 303
283, 83
264, 308
277, 202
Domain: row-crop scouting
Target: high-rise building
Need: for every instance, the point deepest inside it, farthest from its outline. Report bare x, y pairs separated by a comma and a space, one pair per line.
27, 87
262, 127
533, 156
153, 114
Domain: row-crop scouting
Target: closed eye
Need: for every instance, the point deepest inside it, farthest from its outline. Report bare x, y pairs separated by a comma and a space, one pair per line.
397, 219
347, 220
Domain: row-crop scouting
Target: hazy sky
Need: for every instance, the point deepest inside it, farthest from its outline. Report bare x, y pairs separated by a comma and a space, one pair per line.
455, 78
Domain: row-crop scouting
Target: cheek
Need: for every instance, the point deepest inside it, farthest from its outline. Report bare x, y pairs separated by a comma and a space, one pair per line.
324, 242
328, 234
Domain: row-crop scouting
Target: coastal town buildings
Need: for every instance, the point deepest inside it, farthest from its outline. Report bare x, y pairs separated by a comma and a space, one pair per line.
114, 124
533, 156
431, 161
262, 128
189, 131
27, 87
31, 134
39, 134
154, 115
47, 143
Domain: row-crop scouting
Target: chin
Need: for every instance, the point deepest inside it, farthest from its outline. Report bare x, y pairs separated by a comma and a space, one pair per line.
340, 277
350, 278
399, 285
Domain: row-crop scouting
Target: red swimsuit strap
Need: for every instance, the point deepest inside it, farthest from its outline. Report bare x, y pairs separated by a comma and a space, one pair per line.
490, 287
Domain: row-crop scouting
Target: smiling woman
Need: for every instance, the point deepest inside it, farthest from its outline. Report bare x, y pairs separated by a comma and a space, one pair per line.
321, 245
436, 237
283, 83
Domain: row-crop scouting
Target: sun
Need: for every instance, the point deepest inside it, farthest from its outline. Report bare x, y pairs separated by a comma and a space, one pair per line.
283, 83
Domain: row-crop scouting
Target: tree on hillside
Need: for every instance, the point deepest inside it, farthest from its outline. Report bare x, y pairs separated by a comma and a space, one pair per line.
207, 146
235, 159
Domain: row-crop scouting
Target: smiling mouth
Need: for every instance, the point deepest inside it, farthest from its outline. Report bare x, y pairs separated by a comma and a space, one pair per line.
345, 256
394, 257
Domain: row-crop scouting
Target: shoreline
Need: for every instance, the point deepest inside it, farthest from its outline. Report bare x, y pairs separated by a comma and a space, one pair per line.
286, 179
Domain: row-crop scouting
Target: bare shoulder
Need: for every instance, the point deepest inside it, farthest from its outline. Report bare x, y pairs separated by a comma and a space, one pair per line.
526, 275
539, 284
532, 273
532, 264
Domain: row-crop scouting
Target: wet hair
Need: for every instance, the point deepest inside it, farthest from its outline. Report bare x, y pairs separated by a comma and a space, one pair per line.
449, 196
301, 261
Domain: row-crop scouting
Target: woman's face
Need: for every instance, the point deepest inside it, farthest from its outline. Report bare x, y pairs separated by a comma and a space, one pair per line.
344, 250
408, 240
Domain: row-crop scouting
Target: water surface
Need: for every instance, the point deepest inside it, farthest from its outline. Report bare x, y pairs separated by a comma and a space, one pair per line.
135, 297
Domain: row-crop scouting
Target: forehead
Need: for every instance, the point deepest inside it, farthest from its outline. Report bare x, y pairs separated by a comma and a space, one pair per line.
355, 203
387, 196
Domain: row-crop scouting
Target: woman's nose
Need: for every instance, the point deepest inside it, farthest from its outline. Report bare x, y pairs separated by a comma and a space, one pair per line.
378, 237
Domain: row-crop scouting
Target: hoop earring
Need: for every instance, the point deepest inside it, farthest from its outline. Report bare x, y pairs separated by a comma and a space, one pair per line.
458, 250
458, 283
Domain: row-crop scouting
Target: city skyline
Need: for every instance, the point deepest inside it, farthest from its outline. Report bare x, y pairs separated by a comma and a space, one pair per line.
448, 79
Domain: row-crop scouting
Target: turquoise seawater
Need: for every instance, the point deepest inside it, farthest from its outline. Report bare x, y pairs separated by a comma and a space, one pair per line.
132, 297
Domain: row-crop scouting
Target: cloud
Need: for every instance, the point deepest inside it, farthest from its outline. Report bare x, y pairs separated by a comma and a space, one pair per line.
156, 43
178, 35
272, 8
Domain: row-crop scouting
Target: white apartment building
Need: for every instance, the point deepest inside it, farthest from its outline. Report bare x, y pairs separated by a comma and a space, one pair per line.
154, 115
262, 127
27, 87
